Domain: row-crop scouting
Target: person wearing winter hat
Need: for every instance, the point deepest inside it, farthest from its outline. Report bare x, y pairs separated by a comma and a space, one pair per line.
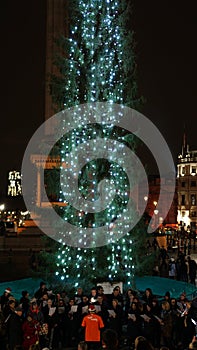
93, 324
91, 308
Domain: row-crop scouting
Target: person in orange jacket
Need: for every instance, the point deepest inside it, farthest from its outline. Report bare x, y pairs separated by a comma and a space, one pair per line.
93, 324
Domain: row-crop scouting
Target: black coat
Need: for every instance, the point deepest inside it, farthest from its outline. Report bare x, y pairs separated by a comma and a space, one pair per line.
14, 329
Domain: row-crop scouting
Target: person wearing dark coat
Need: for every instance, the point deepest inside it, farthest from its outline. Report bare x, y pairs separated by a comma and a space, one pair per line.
115, 317
42, 290
102, 303
166, 325
9, 308
4, 298
188, 330
38, 316
14, 329
148, 296
62, 310
25, 302
192, 270
51, 318
134, 323
149, 324
155, 312
176, 321
116, 294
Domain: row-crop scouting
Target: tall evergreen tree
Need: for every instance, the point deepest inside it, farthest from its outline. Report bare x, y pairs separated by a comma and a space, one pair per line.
99, 65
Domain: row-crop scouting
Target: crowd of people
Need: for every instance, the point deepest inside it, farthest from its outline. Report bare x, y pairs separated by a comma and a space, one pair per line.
58, 320
181, 267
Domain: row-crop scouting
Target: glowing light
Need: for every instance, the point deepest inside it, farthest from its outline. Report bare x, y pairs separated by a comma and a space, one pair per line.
103, 78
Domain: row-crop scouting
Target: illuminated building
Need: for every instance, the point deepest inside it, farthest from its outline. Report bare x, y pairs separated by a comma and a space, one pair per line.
14, 184
187, 188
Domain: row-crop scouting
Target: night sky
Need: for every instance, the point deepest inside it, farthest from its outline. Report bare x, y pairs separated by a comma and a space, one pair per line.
165, 33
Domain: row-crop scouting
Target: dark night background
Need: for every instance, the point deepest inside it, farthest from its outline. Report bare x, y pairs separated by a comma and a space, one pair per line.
165, 33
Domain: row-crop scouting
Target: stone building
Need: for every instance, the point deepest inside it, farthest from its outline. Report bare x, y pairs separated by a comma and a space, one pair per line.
187, 188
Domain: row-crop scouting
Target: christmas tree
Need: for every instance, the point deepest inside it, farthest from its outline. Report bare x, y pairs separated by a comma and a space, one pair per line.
99, 65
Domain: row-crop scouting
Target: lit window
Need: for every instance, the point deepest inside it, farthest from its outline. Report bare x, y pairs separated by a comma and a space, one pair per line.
193, 199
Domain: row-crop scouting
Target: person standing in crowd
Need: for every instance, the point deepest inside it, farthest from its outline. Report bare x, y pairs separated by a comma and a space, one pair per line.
82, 309
25, 302
43, 301
31, 329
172, 268
38, 316
116, 294
35, 311
72, 324
192, 270
64, 296
4, 298
62, 322
42, 290
51, 318
93, 295
163, 255
184, 268
14, 329
115, 317
134, 322
102, 304
9, 307
78, 296
148, 296
166, 325
176, 324
129, 298
100, 292
188, 329
3, 332
148, 322
93, 325
167, 297
156, 317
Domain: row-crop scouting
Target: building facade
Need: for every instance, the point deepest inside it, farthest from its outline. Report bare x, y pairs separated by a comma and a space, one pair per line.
167, 216
187, 189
